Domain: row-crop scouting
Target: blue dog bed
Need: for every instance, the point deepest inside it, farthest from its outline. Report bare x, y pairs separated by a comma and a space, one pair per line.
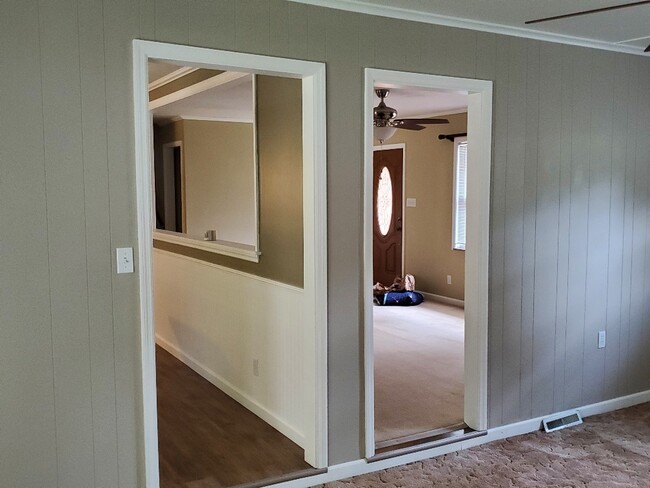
402, 298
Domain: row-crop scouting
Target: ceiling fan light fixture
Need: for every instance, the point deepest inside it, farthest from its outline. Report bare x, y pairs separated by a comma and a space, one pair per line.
384, 133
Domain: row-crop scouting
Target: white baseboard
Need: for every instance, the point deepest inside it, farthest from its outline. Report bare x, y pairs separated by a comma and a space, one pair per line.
361, 466
234, 392
446, 300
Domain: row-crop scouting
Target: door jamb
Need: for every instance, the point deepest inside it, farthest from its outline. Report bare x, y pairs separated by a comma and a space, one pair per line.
476, 254
314, 225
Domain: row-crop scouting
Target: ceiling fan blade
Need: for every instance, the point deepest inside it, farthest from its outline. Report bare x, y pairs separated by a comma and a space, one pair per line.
427, 121
585, 12
407, 124
647, 49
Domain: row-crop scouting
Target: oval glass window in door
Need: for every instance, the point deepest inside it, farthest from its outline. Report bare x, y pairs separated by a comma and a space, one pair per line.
384, 201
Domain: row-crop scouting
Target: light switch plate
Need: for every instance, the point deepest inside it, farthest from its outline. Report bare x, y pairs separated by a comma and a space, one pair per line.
411, 202
124, 260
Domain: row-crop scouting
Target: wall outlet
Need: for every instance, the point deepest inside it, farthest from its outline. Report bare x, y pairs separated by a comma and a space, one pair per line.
449, 279
256, 367
602, 339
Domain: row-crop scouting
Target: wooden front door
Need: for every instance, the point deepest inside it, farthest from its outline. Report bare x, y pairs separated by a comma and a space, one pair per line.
387, 213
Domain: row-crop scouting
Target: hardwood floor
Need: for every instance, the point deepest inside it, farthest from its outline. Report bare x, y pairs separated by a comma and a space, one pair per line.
208, 440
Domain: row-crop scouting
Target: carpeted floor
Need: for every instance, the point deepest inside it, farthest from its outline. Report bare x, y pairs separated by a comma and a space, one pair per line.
418, 368
607, 451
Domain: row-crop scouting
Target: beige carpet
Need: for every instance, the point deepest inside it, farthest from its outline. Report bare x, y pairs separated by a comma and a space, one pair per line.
418, 368
607, 451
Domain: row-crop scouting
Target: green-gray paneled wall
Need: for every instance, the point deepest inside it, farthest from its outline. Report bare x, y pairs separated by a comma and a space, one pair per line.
569, 216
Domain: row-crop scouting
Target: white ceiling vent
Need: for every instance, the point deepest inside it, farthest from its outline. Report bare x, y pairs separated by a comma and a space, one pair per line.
562, 420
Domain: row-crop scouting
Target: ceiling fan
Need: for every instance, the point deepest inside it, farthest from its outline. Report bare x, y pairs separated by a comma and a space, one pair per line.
385, 119
592, 11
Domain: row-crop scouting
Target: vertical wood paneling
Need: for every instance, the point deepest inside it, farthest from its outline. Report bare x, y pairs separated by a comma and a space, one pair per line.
98, 238
628, 221
252, 30
389, 53
172, 21
492, 63
279, 19
343, 90
546, 227
514, 228
224, 20
638, 305
367, 52
529, 212
581, 117
621, 95
297, 30
562, 265
644, 363
600, 159
121, 25
202, 25
67, 242
316, 33
27, 414
147, 19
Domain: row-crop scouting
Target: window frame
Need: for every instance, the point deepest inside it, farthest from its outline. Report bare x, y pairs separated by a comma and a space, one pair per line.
455, 245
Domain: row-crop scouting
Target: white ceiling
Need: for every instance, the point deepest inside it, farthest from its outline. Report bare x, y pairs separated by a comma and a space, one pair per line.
626, 30
422, 102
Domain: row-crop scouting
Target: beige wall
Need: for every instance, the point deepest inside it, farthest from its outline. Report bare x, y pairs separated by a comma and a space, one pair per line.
219, 168
428, 254
279, 146
568, 233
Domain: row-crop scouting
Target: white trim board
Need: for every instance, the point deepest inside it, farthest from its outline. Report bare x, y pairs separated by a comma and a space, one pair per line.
233, 392
362, 466
479, 126
225, 248
366, 7
313, 78
442, 299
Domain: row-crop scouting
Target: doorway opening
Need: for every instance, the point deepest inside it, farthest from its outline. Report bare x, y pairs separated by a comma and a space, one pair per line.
425, 365
207, 356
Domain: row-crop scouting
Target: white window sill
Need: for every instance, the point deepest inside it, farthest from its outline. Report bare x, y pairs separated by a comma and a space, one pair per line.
225, 248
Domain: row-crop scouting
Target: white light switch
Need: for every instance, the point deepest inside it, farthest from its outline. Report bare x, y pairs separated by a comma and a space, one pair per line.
411, 202
124, 260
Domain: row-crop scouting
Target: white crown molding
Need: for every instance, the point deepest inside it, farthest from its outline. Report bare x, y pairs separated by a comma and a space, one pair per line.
365, 7
173, 76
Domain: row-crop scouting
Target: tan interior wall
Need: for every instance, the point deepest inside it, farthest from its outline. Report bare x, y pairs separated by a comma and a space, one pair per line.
219, 166
429, 178
280, 186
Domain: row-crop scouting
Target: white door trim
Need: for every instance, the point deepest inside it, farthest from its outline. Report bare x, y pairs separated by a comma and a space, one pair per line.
479, 129
314, 221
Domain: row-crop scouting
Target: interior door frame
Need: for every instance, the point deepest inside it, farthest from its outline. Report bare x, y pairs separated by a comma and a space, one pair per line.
312, 75
479, 128
402, 146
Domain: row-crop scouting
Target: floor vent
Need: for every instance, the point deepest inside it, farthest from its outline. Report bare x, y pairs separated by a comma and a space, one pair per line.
562, 420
